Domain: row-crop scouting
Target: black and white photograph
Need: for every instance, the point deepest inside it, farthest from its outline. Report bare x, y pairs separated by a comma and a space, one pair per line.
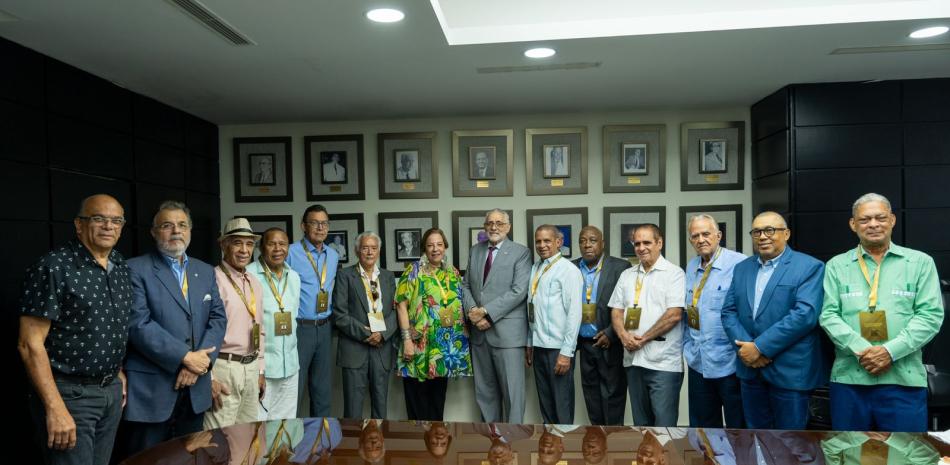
262, 169
337, 241
557, 161
723, 229
477, 235
626, 243
481, 163
333, 167
566, 250
712, 153
634, 160
406, 168
408, 244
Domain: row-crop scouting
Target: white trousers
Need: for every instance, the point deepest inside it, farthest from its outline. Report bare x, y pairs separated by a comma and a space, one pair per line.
280, 398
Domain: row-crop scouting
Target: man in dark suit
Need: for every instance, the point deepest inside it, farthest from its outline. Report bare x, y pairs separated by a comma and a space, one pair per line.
602, 375
494, 292
175, 331
366, 320
771, 312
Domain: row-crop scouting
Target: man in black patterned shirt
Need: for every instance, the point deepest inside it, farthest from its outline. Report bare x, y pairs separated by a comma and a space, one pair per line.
73, 315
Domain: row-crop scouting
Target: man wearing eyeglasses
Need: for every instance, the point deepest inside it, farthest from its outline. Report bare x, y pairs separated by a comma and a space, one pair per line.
493, 293
175, 332
882, 304
281, 286
771, 314
73, 314
316, 264
364, 315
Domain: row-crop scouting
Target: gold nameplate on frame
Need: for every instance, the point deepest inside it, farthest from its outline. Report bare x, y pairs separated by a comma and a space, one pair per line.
633, 180
336, 188
263, 190
482, 184
712, 178
408, 186
557, 183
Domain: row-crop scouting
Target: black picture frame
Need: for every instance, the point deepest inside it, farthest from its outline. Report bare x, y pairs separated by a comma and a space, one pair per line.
415, 245
263, 148
621, 229
693, 138
350, 149
532, 221
352, 225
262, 169
733, 241
389, 223
342, 247
462, 221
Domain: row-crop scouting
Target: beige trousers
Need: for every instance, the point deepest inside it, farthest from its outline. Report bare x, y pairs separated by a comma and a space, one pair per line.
242, 405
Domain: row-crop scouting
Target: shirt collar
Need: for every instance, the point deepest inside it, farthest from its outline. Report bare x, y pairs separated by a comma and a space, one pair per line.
174, 261
86, 258
551, 258
716, 264
313, 248
230, 270
661, 264
587, 269
363, 272
496, 246
774, 261
892, 249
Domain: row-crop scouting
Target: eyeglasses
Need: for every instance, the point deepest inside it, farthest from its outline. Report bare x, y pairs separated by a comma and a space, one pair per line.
102, 220
168, 226
374, 289
318, 224
769, 231
495, 224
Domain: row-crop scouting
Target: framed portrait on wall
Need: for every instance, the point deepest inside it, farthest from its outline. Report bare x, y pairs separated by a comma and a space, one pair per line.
468, 229
620, 224
344, 227
262, 169
334, 167
337, 241
402, 237
568, 221
712, 155
728, 220
408, 165
408, 244
482, 163
556, 161
634, 158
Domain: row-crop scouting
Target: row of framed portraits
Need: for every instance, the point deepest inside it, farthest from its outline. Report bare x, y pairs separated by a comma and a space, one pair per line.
401, 232
634, 160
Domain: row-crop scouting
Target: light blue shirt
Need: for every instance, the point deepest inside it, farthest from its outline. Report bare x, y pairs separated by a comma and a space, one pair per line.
766, 269
179, 268
310, 280
314, 429
557, 306
708, 350
280, 352
592, 279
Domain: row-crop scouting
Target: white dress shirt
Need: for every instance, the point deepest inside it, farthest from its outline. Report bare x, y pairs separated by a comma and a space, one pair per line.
557, 305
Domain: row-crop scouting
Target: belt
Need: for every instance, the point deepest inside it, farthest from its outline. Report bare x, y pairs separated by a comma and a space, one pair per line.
313, 322
101, 381
244, 359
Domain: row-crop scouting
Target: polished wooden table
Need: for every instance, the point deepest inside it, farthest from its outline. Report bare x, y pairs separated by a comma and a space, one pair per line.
358, 442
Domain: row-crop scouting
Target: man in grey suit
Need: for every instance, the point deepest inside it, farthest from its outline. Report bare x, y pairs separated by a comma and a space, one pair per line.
601, 355
494, 293
363, 313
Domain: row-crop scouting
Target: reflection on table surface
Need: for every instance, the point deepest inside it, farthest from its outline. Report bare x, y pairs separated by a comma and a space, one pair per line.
357, 442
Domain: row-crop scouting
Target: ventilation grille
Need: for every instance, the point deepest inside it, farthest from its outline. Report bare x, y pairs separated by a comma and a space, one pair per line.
212, 21
890, 49
521, 69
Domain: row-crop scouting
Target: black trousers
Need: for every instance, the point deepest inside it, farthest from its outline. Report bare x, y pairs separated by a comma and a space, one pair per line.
604, 382
141, 436
425, 400
555, 392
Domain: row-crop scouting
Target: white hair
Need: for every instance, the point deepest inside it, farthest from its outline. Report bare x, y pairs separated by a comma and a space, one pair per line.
498, 210
868, 198
363, 235
702, 216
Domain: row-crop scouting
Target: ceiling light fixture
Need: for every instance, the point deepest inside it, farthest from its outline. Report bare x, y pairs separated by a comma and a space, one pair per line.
541, 52
929, 32
385, 15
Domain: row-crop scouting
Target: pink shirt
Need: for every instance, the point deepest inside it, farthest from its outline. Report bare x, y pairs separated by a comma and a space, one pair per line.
237, 337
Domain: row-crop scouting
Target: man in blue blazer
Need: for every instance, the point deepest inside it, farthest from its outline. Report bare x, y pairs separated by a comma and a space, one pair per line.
771, 312
175, 330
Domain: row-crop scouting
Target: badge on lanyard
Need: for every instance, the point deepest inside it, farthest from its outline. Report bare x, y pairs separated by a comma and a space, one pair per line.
376, 322
282, 324
323, 301
631, 320
446, 317
530, 313
873, 325
588, 313
692, 317
256, 336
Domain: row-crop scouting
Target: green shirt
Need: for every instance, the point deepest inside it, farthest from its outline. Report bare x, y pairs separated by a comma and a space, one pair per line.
909, 293
902, 448
280, 352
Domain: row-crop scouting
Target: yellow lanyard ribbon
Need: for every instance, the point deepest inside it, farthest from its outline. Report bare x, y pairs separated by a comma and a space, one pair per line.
639, 287
535, 281
438, 282
702, 282
710, 454
278, 296
313, 263
366, 286
319, 441
184, 282
872, 296
252, 306
590, 287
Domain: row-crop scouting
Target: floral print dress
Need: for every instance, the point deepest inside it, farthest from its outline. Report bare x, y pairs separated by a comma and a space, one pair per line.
434, 302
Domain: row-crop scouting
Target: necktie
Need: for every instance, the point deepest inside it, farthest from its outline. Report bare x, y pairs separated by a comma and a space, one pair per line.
488, 261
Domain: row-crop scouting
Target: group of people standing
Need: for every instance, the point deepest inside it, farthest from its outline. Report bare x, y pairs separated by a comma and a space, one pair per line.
171, 345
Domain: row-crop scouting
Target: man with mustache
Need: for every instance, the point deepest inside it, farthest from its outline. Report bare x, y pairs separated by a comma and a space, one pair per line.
237, 384
175, 329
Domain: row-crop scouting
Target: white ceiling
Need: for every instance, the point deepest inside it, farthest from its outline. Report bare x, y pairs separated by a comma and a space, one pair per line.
322, 60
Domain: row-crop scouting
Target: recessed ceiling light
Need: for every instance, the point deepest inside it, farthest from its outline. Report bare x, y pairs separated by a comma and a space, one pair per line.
385, 15
541, 52
929, 32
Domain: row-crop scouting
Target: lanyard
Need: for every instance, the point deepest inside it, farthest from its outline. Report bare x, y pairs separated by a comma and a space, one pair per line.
184, 282
321, 274
252, 306
438, 282
366, 286
702, 282
590, 287
872, 297
319, 441
639, 287
534, 284
279, 297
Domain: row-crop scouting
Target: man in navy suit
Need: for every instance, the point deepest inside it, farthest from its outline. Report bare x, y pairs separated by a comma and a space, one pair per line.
771, 312
175, 330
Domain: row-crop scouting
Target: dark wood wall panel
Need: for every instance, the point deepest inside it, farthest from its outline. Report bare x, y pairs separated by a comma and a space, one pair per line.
771, 193
68, 188
927, 100
27, 188
201, 137
77, 94
926, 187
770, 114
837, 189
847, 103
25, 85
22, 133
91, 149
847, 146
201, 175
927, 229
829, 232
159, 164
158, 122
770, 155
147, 199
927, 143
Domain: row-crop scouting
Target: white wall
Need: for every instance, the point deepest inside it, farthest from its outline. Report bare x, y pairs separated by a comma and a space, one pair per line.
460, 405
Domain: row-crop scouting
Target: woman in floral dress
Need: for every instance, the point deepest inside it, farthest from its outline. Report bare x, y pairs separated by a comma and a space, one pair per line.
434, 339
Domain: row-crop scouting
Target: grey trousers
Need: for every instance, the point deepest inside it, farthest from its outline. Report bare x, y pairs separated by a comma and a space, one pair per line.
499, 383
356, 381
313, 348
95, 410
555, 392
654, 396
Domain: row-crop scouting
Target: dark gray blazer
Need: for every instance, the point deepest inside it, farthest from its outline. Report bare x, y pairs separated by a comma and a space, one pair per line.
502, 294
609, 275
349, 317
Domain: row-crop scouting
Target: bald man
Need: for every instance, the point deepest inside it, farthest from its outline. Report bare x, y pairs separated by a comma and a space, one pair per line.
771, 314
